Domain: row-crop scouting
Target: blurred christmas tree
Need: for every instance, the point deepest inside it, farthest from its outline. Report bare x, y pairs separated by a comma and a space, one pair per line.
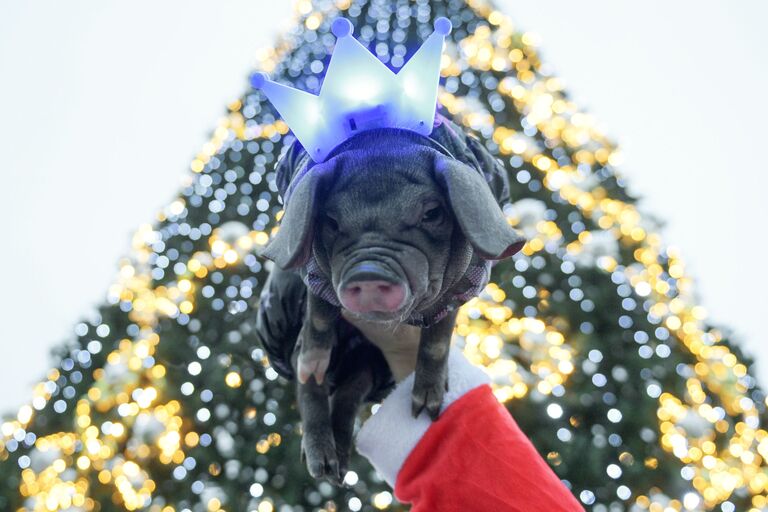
164, 401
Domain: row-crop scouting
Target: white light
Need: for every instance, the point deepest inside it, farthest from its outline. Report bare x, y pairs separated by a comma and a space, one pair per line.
623, 492
587, 497
691, 500
203, 415
653, 390
410, 87
363, 89
554, 411
613, 470
314, 113
614, 415
643, 289
38, 403
351, 478
194, 368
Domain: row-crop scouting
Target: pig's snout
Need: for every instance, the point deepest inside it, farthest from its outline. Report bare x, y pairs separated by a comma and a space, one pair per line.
369, 287
368, 296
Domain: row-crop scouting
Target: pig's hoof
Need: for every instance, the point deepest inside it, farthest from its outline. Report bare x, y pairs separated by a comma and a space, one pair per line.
343, 457
320, 457
429, 396
313, 361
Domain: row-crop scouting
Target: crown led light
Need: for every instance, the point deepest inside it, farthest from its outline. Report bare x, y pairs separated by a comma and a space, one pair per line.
360, 93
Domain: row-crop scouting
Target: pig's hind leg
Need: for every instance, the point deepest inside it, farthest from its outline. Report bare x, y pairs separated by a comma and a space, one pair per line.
318, 449
345, 404
315, 341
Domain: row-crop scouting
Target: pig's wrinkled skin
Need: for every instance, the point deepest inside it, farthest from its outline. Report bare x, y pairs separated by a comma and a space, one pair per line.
393, 222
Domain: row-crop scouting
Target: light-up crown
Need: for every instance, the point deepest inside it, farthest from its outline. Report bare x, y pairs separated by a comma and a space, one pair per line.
360, 93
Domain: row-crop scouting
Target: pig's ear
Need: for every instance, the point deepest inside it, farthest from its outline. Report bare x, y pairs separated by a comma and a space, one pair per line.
292, 244
479, 216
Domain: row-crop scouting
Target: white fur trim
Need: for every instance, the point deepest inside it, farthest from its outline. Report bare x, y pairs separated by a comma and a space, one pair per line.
388, 437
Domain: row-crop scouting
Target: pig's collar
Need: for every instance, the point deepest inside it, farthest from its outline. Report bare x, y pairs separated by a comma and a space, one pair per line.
360, 140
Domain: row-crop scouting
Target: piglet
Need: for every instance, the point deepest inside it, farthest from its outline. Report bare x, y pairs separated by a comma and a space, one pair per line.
386, 239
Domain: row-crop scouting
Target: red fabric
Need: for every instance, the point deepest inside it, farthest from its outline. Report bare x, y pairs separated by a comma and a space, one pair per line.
476, 458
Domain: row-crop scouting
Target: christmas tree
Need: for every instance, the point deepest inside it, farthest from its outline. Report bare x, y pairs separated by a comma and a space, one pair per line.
592, 334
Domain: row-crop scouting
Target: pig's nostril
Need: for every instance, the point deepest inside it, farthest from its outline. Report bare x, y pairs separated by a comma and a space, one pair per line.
376, 295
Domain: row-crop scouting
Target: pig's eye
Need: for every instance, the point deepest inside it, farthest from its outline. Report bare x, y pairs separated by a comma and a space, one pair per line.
433, 214
331, 223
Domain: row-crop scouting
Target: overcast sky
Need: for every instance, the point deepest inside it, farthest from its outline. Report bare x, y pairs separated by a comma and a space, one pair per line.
103, 104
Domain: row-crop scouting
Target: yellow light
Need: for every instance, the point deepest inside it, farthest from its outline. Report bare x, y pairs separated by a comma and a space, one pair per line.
25, 414
262, 446
191, 439
230, 256
117, 430
495, 18
158, 371
382, 500
218, 247
233, 380
313, 21
59, 465
186, 307
304, 7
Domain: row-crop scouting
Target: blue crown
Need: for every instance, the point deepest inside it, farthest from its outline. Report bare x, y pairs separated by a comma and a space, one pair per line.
360, 93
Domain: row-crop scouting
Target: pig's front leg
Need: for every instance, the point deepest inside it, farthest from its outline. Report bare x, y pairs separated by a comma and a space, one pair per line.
316, 339
431, 378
